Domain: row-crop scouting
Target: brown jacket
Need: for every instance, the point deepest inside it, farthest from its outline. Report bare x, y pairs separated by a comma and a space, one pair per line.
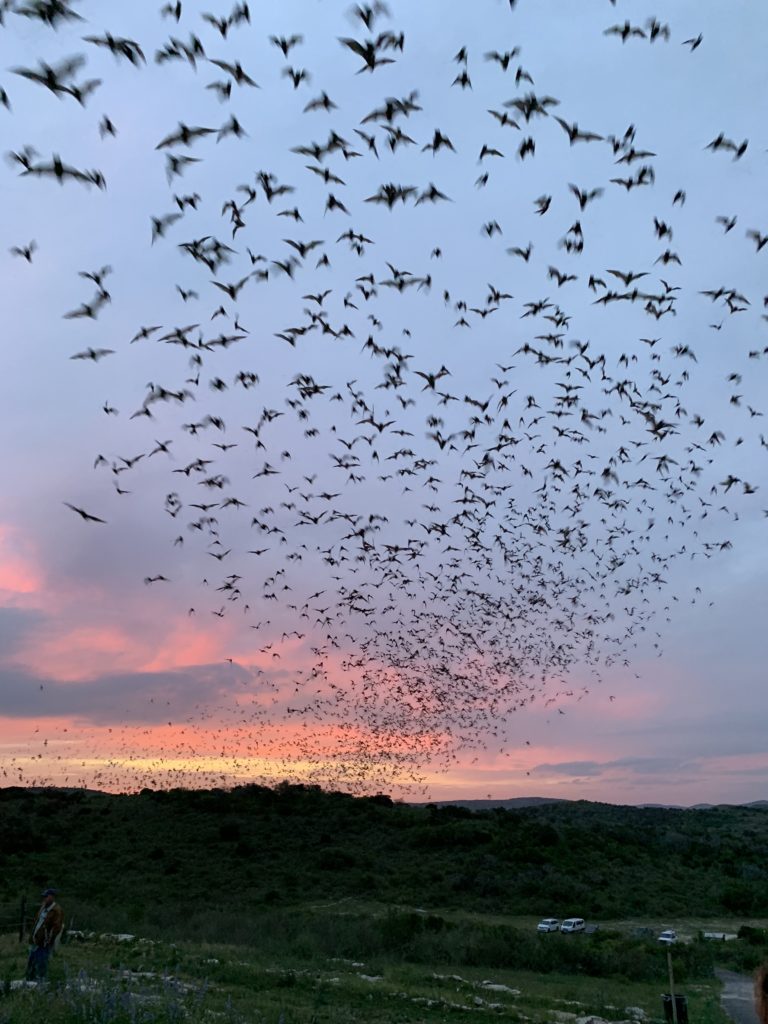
44, 933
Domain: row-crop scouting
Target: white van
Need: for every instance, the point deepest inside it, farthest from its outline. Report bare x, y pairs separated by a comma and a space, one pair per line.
548, 924
573, 924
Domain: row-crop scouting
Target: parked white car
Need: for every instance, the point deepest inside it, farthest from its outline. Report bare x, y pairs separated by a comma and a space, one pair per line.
668, 937
548, 924
573, 924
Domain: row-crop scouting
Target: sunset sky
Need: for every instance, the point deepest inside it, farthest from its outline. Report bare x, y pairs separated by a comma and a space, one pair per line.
617, 650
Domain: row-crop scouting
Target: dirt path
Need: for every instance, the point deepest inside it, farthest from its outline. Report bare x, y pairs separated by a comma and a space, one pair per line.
737, 997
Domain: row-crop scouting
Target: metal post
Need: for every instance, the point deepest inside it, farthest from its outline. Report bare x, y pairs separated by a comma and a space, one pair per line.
672, 985
22, 918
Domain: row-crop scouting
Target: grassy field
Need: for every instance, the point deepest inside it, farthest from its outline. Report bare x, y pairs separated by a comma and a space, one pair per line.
686, 926
105, 981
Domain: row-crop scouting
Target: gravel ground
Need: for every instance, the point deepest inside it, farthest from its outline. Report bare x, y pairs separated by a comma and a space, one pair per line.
737, 997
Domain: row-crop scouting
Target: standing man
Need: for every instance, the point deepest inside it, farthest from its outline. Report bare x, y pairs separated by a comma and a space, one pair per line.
45, 931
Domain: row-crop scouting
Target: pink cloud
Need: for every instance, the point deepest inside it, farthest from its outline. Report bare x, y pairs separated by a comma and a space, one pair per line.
19, 572
80, 653
184, 642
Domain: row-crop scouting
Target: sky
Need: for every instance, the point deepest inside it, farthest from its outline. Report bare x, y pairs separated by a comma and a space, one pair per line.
456, 495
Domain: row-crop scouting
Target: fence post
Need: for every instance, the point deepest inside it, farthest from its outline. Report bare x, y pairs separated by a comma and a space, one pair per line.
672, 984
22, 918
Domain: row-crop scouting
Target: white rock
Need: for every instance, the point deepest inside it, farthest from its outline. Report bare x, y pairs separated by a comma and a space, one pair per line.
484, 1002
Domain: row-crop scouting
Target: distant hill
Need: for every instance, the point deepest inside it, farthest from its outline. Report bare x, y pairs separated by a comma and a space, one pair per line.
535, 801
512, 803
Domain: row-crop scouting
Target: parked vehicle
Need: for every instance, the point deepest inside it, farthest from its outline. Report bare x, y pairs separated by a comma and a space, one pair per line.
548, 924
668, 937
573, 924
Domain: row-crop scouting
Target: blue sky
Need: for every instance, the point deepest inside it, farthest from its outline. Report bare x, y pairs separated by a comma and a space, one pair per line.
616, 651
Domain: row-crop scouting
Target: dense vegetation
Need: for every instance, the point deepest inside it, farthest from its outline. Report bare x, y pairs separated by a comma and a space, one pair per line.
257, 848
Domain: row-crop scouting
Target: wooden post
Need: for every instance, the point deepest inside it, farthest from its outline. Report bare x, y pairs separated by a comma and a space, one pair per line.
672, 985
22, 918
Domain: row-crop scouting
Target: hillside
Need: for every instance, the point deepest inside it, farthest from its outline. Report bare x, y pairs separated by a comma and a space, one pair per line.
260, 847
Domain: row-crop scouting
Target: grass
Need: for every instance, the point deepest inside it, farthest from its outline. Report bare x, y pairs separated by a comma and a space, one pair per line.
684, 925
106, 982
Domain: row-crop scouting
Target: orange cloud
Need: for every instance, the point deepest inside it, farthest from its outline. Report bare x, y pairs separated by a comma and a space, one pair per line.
221, 752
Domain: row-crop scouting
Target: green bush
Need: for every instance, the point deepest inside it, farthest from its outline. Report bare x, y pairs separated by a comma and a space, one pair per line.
299, 844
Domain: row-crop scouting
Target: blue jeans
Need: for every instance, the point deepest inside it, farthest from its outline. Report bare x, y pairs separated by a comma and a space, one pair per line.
37, 964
